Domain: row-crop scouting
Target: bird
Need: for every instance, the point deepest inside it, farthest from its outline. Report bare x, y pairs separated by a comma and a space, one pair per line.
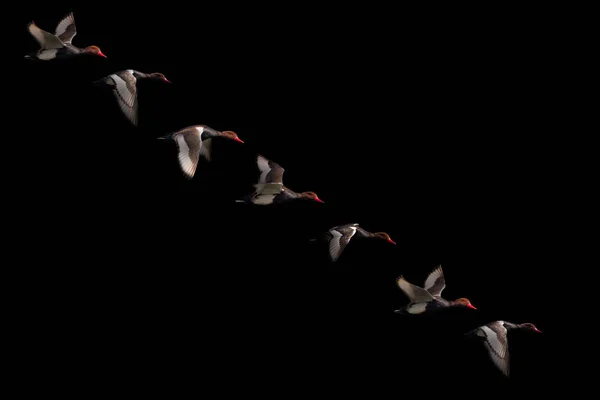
428, 298
495, 338
193, 142
58, 45
270, 188
339, 237
124, 86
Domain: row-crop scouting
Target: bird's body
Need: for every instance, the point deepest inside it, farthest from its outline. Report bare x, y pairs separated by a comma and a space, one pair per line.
495, 338
339, 237
428, 298
124, 86
270, 188
59, 44
194, 142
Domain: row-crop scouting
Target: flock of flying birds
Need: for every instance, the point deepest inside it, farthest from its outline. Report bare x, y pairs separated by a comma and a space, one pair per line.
194, 142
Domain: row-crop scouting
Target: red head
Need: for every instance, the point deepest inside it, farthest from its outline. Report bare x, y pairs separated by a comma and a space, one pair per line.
159, 76
231, 135
464, 302
94, 50
530, 327
384, 236
311, 196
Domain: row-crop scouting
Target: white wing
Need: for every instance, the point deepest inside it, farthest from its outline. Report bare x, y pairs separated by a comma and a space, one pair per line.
45, 39
47, 54
339, 241
497, 345
414, 293
66, 29
335, 247
435, 282
126, 97
187, 159
263, 198
264, 168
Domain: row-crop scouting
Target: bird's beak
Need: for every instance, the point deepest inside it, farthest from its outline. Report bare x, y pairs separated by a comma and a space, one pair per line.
319, 200
391, 241
537, 330
101, 54
168, 81
472, 306
237, 139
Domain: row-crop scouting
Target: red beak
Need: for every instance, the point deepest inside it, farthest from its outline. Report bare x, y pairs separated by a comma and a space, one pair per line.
471, 306
237, 139
537, 330
319, 200
391, 241
168, 81
101, 54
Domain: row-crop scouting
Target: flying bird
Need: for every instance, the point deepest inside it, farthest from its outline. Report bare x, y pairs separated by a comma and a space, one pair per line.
270, 188
124, 87
339, 236
495, 338
58, 45
428, 298
193, 142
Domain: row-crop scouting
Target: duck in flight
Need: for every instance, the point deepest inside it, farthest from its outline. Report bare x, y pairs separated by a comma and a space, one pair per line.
194, 142
270, 188
59, 44
495, 339
339, 236
428, 298
124, 87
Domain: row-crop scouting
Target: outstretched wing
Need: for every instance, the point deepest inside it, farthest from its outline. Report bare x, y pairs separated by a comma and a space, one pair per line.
125, 91
270, 172
271, 176
189, 144
66, 29
45, 39
414, 293
495, 341
435, 282
340, 237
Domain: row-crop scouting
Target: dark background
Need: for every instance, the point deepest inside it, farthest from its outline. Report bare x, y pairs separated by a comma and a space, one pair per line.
434, 125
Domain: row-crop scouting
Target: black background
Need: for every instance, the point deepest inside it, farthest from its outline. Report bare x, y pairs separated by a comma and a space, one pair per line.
433, 125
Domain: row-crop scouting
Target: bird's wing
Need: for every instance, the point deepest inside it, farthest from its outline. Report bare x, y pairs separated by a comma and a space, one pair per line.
496, 342
263, 198
270, 172
414, 293
46, 40
188, 147
435, 282
66, 29
125, 90
206, 149
268, 188
339, 239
